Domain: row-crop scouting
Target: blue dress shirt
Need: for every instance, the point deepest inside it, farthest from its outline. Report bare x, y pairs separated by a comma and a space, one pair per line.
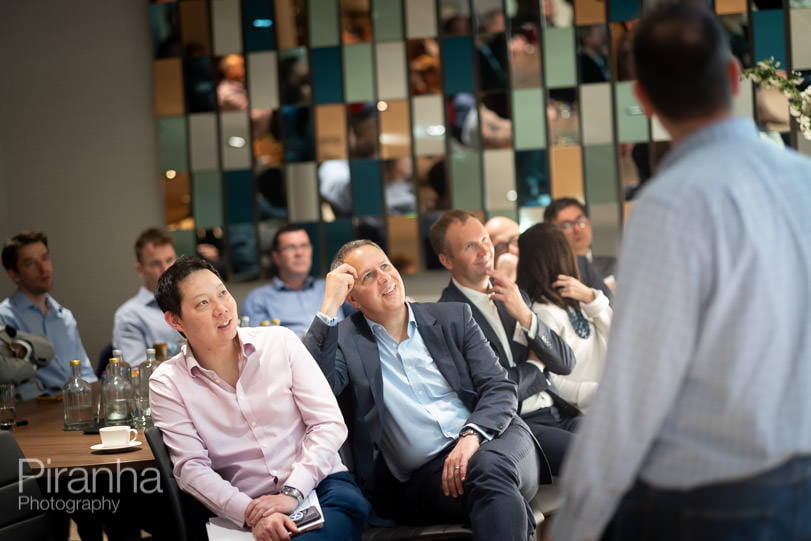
138, 324
59, 325
423, 413
295, 308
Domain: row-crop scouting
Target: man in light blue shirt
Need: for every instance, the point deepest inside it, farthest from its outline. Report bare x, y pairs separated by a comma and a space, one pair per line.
701, 426
139, 322
293, 296
431, 412
31, 309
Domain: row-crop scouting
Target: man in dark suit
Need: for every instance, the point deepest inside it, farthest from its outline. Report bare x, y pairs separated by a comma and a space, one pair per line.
525, 346
431, 413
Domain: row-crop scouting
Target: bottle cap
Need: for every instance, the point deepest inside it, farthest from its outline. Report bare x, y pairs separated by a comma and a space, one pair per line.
75, 362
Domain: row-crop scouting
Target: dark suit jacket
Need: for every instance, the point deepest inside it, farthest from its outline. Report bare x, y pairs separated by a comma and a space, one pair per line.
550, 348
347, 354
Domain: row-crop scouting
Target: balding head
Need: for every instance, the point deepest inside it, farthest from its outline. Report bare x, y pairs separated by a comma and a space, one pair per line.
504, 234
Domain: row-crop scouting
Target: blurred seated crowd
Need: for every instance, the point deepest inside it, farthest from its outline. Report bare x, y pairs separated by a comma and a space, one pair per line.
685, 417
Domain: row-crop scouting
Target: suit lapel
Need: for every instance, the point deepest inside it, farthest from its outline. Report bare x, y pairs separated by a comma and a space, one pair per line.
453, 293
369, 356
431, 332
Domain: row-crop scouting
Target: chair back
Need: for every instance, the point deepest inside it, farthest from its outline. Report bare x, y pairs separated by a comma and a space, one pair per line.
188, 514
20, 521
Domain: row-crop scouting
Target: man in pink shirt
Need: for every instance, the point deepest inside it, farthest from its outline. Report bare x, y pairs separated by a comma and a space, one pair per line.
250, 421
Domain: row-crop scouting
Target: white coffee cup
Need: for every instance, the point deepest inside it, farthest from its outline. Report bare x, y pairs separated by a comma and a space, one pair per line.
117, 436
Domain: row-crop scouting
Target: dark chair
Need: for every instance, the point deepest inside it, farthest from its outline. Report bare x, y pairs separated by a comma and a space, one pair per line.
104, 358
19, 522
189, 516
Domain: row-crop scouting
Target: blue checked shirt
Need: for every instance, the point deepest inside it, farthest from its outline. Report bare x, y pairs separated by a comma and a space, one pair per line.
708, 371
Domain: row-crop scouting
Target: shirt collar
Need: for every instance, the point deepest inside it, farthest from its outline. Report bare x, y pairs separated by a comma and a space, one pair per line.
146, 297
377, 328
277, 283
719, 131
477, 297
247, 348
21, 300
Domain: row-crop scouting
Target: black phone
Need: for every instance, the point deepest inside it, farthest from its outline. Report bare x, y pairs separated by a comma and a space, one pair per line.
306, 517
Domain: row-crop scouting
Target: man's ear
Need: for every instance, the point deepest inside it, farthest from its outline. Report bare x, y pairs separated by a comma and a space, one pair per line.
352, 302
139, 269
735, 72
174, 321
446, 261
642, 97
14, 275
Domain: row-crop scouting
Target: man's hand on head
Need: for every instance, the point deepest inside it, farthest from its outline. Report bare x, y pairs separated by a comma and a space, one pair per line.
339, 283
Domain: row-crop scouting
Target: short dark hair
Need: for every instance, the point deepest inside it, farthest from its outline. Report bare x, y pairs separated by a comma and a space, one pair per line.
344, 250
289, 228
680, 57
545, 253
440, 228
12, 246
550, 213
154, 236
168, 291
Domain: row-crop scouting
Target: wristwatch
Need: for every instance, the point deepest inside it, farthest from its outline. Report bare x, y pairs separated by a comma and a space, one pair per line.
292, 492
467, 431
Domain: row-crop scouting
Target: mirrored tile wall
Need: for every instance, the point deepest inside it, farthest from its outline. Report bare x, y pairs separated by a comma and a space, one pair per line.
368, 118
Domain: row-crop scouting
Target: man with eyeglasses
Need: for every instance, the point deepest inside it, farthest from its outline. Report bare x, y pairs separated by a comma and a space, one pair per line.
504, 234
293, 296
570, 216
139, 322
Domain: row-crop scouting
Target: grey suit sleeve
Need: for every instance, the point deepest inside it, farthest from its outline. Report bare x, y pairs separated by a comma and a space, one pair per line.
321, 341
498, 401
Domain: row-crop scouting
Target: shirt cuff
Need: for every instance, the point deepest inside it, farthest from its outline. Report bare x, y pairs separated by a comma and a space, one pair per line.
520, 334
328, 321
480, 430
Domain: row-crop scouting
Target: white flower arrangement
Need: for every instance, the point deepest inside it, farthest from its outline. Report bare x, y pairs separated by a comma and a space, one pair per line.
799, 102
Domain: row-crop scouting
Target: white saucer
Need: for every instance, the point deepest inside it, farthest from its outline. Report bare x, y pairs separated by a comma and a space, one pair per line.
130, 445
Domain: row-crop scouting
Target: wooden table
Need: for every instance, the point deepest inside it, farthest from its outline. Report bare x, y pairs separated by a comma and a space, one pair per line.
47, 445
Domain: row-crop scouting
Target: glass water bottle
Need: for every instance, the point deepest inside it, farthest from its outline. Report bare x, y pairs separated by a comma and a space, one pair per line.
77, 400
117, 394
126, 369
147, 367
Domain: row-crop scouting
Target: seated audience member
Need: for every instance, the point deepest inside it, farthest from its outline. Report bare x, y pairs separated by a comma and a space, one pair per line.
525, 346
432, 416
504, 234
31, 309
577, 313
292, 296
570, 216
21, 354
250, 422
139, 322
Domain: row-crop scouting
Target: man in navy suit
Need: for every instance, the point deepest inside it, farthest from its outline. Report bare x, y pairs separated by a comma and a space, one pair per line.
525, 346
431, 413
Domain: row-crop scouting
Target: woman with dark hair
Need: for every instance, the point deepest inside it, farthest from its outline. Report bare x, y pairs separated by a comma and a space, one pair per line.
547, 271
